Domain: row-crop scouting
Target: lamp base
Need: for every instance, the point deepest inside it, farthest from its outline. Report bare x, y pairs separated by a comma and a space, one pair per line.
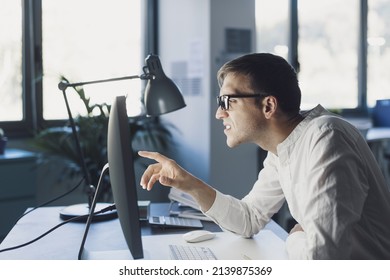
83, 209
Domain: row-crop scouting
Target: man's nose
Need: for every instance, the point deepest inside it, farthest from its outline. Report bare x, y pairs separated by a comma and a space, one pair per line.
220, 114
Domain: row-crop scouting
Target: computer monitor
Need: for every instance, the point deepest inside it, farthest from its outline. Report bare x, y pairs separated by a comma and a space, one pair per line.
122, 178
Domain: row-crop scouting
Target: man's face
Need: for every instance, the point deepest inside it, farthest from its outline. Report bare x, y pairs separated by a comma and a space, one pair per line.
243, 120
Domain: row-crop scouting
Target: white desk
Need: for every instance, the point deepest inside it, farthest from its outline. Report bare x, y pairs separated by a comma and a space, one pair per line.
378, 133
64, 242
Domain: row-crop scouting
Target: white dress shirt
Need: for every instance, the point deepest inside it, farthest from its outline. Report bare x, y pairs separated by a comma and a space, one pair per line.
333, 187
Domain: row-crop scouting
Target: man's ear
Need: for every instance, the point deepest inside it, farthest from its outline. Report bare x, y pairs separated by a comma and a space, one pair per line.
270, 104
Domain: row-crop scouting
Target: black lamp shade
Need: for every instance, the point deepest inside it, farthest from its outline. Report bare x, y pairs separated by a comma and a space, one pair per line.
161, 94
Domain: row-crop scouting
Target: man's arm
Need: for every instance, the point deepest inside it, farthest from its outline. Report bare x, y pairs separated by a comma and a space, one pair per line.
245, 217
169, 173
333, 200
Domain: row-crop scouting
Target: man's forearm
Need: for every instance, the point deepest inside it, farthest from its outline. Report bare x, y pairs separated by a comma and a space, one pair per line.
203, 194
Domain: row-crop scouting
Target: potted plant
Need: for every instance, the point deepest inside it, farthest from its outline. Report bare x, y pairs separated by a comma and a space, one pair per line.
3, 141
146, 133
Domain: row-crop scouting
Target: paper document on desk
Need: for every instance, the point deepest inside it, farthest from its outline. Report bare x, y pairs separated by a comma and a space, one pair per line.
188, 208
183, 198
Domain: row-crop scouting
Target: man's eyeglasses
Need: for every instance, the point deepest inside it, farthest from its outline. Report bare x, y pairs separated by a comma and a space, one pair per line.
223, 100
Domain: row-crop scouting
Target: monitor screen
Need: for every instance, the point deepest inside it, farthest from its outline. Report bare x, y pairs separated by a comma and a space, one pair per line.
122, 177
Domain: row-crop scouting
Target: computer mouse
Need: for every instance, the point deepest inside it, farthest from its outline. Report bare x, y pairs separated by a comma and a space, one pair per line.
198, 235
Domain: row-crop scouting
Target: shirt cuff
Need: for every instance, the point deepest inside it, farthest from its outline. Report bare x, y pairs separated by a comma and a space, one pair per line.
295, 245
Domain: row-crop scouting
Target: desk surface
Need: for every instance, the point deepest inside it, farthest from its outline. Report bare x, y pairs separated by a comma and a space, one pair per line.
378, 133
64, 242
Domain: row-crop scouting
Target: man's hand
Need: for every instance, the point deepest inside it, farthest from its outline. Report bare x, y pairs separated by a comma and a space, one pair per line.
166, 171
297, 227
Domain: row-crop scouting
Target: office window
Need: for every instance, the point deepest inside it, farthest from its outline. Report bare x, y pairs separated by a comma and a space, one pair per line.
42, 40
272, 26
90, 40
378, 51
325, 39
11, 88
327, 53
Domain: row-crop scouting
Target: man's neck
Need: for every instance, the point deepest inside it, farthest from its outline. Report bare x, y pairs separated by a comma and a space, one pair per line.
281, 130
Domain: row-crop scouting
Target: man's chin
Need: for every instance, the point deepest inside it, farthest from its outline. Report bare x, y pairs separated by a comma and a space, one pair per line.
231, 144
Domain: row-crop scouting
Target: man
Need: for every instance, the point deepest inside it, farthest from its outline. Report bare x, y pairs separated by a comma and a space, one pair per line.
317, 162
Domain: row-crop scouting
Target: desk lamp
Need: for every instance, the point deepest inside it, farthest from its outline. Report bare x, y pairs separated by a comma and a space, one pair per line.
161, 96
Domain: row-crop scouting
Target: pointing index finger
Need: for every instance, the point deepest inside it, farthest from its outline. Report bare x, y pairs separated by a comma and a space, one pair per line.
153, 155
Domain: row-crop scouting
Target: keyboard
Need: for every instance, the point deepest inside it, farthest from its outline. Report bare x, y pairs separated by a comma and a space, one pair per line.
175, 221
181, 252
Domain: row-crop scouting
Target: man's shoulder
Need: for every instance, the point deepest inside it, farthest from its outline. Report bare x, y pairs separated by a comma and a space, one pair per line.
321, 117
329, 122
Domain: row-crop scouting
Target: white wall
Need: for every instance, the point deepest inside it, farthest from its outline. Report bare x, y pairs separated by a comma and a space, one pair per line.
192, 33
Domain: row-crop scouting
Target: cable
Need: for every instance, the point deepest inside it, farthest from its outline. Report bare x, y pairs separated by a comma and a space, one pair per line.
52, 200
108, 208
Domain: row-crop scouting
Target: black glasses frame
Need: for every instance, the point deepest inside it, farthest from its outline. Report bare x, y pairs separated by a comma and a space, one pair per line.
223, 100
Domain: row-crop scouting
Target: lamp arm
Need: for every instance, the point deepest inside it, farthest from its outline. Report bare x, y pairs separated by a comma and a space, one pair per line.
91, 188
64, 85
